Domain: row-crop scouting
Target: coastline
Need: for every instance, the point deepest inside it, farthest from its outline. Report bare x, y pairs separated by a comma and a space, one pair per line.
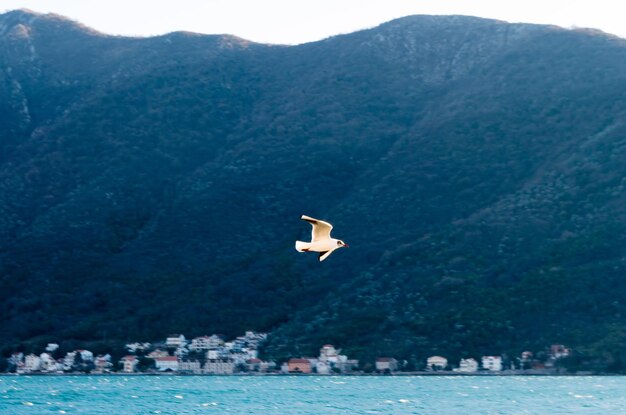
506, 373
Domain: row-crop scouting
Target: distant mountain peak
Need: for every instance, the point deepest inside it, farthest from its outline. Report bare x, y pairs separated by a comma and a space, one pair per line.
28, 18
21, 17
20, 13
20, 21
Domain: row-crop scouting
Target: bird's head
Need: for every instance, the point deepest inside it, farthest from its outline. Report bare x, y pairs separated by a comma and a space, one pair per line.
342, 244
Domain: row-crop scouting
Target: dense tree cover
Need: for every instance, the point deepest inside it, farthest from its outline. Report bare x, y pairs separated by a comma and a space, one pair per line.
154, 185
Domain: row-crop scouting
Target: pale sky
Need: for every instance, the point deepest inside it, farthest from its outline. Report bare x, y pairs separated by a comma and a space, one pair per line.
299, 21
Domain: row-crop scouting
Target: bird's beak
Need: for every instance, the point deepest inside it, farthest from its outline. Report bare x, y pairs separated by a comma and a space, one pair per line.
346, 245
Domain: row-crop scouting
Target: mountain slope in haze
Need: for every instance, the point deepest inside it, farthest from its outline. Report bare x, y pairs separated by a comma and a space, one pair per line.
475, 167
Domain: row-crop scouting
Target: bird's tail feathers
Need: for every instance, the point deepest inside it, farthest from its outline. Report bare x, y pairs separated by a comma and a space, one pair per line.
302, 246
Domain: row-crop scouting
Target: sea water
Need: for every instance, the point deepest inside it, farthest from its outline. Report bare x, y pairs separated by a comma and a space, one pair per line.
318, 395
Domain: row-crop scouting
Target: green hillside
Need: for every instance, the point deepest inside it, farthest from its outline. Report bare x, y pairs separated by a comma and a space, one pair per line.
475, 167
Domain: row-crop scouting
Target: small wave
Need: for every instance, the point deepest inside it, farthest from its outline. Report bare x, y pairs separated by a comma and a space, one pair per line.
404, 400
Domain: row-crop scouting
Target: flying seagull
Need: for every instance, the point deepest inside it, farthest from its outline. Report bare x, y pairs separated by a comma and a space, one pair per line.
320, 239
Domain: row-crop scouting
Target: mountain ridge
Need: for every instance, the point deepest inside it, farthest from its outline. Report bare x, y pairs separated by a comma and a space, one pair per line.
465, 160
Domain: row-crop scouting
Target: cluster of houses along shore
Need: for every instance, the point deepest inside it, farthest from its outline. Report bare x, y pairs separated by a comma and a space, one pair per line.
330, 361
213, 355
203, 355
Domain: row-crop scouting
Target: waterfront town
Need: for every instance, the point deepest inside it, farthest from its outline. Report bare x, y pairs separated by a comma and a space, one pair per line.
212, 355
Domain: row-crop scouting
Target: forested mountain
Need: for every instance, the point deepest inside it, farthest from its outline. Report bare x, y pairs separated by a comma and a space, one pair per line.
476, 168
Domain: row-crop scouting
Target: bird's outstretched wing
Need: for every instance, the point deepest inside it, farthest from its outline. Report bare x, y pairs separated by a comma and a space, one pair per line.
321, 230
323, 255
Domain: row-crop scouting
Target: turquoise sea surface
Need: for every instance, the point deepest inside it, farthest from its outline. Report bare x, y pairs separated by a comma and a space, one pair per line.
319, 395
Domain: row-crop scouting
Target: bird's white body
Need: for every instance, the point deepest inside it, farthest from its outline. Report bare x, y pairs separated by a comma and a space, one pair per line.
317, 246
320, 239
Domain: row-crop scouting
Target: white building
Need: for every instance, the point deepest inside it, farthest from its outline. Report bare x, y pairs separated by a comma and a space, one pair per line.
181, 352
175, 340
219, 367
32, 363
436, 363
86, 355
51, 347
166, 363
103, 363
467, 365
129, 363
266, 366
206, 342
157, 353
48, 364
200, 343
68, 360
330, 357
322, 368
258, 365
384, 364
239, 358
493, 363
238, 355
215, 341
253, 339
329, 354
249, 353
254, 365
16, 357
134, 347
191, 366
